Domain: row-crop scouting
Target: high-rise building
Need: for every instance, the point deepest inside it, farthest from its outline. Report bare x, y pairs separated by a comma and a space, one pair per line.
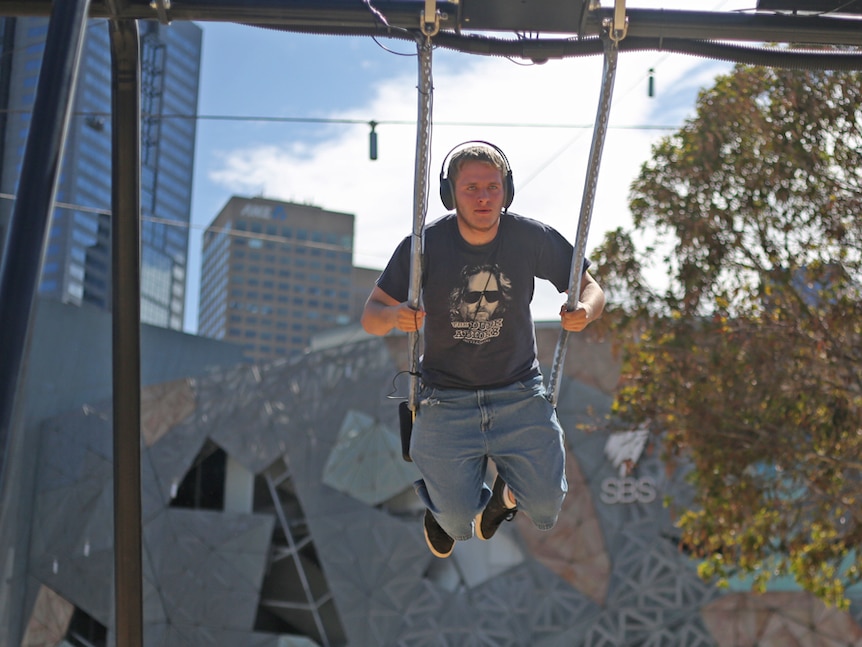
77, 261
275, 273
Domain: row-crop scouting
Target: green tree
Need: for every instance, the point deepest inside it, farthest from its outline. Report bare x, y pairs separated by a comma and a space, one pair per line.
748, 360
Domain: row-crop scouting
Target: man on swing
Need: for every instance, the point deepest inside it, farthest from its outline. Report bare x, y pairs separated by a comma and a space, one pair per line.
482, 392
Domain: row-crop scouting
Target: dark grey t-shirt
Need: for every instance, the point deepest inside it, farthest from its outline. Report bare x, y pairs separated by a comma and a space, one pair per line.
478, 331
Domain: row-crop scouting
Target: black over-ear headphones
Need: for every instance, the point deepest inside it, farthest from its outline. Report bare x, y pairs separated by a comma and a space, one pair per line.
447, 191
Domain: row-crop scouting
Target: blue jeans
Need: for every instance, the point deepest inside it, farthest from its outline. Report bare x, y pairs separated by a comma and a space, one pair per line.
456, 432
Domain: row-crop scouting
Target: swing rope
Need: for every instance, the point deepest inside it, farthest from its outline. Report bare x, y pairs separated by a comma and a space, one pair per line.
612, 34
614, 30
420, 201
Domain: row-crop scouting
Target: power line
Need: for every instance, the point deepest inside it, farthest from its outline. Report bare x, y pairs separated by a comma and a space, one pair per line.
398, 122
365, 122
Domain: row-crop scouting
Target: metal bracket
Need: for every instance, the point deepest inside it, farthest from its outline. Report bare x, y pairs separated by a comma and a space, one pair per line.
429, 27
619, 26
162, 7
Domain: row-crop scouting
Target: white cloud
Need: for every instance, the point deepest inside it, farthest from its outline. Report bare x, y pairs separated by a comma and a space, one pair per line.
549, 164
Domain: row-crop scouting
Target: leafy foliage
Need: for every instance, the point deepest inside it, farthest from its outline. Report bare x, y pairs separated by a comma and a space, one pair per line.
749, 362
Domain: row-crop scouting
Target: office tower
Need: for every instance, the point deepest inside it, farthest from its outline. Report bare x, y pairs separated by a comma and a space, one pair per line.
364, 280
275, 273
77, 260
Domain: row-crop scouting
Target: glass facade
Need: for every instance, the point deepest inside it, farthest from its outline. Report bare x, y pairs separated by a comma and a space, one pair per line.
77, 262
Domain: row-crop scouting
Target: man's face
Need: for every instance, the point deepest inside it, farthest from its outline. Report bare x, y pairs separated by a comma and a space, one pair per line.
481, 297
479, 195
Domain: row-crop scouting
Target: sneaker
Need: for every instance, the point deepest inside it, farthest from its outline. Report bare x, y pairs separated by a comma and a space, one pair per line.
495, 513
438, 541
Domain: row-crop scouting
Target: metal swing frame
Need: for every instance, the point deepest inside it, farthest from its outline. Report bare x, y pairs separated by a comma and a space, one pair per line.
420, 212
614, 30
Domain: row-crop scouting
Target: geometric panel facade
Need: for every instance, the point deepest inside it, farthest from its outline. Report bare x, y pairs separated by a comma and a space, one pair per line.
322, 543
50, 620
366, 461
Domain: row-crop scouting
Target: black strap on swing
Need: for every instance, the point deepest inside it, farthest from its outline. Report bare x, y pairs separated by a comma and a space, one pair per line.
429, 24
613, 31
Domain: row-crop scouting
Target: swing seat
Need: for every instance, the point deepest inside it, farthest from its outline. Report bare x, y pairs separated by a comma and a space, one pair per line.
405, 419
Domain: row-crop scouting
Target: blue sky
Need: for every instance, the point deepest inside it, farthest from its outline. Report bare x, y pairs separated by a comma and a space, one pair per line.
249, 71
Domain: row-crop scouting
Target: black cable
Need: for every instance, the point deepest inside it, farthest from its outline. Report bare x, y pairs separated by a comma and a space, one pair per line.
540, 50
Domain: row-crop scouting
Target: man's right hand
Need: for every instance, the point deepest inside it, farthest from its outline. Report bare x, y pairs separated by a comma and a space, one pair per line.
408, 319
383, 313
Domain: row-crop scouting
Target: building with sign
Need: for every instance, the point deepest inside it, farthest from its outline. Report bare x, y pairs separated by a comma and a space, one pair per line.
276, 273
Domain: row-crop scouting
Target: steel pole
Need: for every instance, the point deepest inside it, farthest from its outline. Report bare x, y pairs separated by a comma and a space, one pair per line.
126, 318
37, 186
420, 203
587, 201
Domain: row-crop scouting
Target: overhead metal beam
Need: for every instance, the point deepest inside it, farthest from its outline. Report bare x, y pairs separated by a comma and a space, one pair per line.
547, 17
297, 13
737, 27
848, 7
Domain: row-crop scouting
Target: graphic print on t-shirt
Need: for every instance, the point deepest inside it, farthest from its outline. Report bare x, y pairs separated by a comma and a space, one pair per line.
477, 305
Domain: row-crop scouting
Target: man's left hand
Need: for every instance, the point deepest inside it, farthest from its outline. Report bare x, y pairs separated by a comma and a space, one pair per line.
576, 320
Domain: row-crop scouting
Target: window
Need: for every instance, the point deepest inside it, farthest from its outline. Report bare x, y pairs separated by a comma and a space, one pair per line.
85, 631
203, 486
